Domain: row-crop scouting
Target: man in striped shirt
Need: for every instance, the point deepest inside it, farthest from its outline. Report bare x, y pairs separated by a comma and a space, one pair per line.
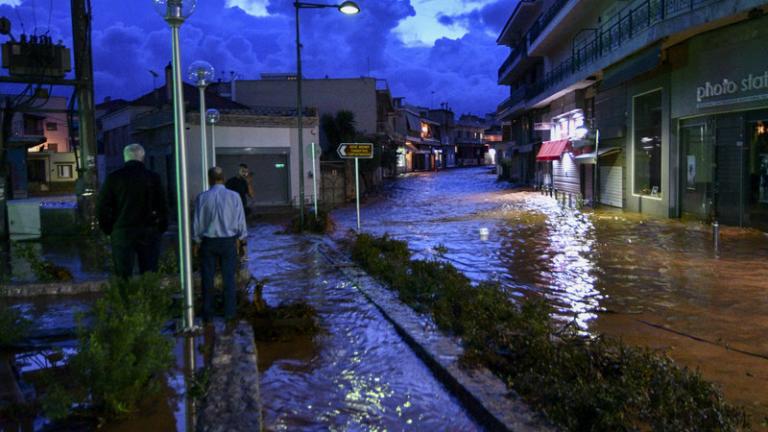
218, 228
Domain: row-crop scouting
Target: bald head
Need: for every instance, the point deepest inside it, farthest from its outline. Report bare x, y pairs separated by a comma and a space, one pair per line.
215, 176
133, 152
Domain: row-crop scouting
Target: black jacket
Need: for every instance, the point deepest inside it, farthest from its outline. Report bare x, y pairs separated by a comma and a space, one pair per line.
132, 197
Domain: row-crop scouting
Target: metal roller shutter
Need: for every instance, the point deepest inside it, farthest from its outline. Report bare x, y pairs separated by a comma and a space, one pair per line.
271, 182
610, 185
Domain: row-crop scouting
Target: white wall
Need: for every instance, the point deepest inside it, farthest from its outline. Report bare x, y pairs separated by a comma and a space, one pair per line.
254, 137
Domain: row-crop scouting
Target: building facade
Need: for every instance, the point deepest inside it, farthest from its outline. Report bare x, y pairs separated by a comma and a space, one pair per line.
471, 149
42, 153
264, 138
655, 106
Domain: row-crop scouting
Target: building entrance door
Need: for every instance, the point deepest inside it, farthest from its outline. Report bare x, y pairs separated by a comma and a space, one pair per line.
757, 170
730, 189
697, 146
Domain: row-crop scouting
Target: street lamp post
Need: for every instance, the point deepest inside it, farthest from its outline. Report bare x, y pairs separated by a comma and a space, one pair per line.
201, 73
174, 12
347, 8
213, 116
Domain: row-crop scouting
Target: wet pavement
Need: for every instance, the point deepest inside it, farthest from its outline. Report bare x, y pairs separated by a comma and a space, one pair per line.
652, 282
357, 374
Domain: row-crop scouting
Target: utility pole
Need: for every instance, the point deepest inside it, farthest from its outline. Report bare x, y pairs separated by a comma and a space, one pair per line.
5, 184
87, 182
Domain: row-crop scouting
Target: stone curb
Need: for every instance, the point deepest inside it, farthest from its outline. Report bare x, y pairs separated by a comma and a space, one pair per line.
484, 395
88, 287
233, 400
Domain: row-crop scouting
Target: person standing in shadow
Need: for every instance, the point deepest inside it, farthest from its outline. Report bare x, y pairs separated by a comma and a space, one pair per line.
241, 183
131, 210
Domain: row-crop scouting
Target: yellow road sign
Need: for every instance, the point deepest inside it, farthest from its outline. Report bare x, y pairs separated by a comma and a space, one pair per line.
355, 151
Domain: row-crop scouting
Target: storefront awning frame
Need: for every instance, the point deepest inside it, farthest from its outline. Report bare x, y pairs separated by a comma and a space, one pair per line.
552, 150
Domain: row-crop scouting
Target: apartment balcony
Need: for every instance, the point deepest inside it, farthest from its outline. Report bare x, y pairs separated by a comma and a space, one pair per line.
516, 64
640, 24
524, 14
513, 104
550, 24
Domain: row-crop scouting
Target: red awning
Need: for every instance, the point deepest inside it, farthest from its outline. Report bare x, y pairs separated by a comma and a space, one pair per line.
552, 150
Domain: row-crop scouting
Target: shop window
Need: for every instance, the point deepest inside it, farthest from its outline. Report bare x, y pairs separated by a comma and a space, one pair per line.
64, 171
647, 144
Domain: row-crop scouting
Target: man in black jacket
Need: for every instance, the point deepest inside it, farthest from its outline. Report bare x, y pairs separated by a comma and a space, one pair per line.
132, 211
241, 183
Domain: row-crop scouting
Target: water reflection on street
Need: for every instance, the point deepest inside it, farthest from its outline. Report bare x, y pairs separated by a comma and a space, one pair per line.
650, 281
357, 374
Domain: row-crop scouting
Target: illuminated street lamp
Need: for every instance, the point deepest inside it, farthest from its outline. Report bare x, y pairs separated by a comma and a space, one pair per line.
175, 12
347, 8
201, 74
213, 116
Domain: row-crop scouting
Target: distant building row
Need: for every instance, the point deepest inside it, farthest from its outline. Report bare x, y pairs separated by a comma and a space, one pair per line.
258, 127
655, 106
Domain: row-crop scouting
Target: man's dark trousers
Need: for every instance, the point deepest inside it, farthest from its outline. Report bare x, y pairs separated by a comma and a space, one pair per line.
212, 249
131, 243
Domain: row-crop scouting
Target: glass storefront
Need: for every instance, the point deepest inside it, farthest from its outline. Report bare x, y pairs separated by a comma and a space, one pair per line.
724, 175
647, 143
697, 146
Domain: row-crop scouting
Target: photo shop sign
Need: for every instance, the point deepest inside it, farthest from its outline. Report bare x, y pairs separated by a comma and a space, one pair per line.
750, 88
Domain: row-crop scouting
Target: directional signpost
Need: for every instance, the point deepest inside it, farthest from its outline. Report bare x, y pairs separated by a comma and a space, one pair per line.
356, 151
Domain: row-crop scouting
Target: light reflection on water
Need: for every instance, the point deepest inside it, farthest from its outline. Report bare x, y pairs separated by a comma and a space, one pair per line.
610, 271
357, 374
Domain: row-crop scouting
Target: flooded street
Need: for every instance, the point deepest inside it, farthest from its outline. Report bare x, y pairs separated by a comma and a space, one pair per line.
652, 282
357, 374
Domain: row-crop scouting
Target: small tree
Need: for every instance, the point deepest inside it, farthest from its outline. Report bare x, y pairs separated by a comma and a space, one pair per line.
338, 129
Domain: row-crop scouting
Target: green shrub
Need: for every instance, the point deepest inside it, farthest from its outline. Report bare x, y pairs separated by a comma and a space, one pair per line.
44, 270
13, 326
593, 384
321, 224
168, 264
383, 257
280, 323
124, 356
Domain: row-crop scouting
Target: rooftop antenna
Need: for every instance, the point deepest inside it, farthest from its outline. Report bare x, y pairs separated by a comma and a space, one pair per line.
154, 78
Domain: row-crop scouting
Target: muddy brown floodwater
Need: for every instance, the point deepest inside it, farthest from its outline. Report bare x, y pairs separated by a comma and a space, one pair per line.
357, 374
652, 282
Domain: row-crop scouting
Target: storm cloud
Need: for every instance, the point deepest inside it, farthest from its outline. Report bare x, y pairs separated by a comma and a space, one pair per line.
250, 37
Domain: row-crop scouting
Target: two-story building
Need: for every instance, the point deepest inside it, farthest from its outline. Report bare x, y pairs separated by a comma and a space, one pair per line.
651, 105
422, 146
469, 133
264, 138
42, 153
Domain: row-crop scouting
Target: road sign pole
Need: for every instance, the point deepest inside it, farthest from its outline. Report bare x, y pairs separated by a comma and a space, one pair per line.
357, 191
314, 178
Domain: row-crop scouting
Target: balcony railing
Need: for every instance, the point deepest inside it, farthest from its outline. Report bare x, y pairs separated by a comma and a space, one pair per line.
518, 51
614, 33
543, 21
516, 97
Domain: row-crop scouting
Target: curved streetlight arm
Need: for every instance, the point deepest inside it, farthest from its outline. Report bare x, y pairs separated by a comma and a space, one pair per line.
346, 7
305, 5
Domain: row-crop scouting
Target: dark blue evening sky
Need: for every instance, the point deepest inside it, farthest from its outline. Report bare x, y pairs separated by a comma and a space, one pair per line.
430, 51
